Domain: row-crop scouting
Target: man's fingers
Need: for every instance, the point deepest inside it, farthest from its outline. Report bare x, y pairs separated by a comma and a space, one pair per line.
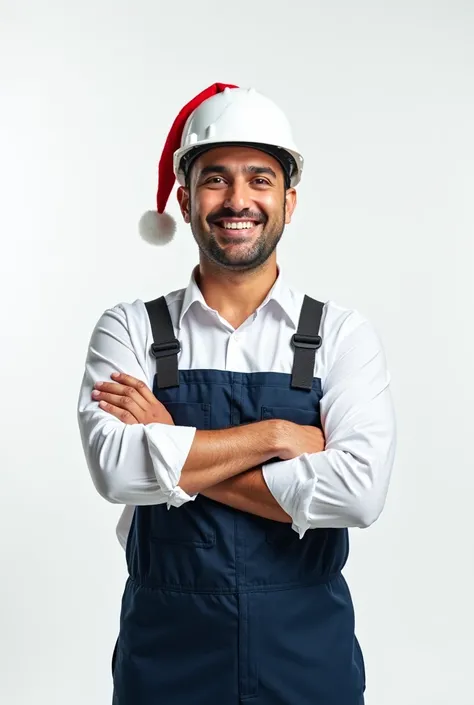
121, 414
137, 384
120, 390
123, 403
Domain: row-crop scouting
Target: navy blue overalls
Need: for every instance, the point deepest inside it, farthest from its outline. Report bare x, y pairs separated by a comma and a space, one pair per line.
222, 607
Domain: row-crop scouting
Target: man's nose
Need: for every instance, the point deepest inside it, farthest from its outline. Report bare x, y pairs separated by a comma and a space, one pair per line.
237, 196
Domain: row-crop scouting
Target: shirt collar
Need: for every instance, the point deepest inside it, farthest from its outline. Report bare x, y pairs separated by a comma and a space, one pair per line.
192, 294
280, 293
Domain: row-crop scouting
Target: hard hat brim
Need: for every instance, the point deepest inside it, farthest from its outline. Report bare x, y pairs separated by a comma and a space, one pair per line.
184, 157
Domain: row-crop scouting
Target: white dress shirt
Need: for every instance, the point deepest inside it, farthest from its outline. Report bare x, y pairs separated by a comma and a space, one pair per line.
343, 486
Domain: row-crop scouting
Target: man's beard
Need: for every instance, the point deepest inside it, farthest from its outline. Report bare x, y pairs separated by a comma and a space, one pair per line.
250, 257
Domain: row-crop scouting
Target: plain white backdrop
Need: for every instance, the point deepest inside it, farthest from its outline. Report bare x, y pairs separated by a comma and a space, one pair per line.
381, 98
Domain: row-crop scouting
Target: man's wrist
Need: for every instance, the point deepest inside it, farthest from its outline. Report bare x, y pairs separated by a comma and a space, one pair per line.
277, 435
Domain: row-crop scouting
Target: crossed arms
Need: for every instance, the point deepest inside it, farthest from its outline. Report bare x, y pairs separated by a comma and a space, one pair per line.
343, 485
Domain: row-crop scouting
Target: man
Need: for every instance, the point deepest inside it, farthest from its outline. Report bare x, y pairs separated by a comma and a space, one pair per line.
246, 427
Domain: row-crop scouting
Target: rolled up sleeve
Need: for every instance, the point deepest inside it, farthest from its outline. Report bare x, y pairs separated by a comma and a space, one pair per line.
346, 484
129, 464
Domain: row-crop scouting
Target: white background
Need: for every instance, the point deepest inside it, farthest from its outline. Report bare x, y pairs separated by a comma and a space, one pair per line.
381, 97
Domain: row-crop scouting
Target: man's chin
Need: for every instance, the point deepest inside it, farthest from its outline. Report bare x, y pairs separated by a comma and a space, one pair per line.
236, 261
238, 254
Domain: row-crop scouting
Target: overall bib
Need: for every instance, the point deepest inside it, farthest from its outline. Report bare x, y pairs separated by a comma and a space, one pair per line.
222, 607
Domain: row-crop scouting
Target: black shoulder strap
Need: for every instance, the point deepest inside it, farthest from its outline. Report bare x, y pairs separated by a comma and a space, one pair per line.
166, 346
306, 341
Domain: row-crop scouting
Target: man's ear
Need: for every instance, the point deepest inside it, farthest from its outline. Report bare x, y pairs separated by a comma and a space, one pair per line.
290, 204
182, 195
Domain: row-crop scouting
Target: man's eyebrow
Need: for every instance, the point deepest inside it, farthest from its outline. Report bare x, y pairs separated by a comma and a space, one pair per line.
219, 169
213, 169
260, 170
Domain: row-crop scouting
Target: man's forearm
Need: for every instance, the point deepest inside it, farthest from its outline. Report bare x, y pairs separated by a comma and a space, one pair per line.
216, 456
249, 493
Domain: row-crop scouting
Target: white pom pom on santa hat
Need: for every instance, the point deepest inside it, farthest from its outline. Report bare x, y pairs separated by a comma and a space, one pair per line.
158, 227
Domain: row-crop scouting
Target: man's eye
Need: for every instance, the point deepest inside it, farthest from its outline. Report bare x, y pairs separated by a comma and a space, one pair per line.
261, 182
214, 179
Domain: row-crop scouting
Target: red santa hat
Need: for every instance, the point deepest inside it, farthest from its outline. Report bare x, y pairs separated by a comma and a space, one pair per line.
158, 227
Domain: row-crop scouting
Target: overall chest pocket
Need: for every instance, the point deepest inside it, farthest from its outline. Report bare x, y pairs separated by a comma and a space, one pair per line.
282, 535
303, 417
188, 525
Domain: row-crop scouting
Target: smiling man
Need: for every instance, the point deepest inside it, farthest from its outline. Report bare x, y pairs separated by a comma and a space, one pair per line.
246, 426
234, 234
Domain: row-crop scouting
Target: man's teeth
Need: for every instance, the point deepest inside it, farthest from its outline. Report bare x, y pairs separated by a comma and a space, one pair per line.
238, 226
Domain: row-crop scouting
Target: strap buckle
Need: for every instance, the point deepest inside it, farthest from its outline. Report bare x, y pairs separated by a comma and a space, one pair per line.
172, 347
309, 342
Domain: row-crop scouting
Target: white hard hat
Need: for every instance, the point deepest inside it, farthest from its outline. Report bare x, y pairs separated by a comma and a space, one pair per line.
222, 114
238, 116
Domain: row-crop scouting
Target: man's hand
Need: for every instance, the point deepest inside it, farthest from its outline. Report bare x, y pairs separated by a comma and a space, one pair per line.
294, 440
130, 400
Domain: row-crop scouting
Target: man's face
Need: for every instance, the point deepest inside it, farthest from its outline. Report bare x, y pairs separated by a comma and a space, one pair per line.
237, 206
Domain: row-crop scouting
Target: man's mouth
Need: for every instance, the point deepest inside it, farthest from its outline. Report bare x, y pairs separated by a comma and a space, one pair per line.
233, 226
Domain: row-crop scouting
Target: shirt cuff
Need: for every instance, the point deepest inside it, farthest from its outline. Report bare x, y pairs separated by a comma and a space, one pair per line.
169, 447
292, 484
